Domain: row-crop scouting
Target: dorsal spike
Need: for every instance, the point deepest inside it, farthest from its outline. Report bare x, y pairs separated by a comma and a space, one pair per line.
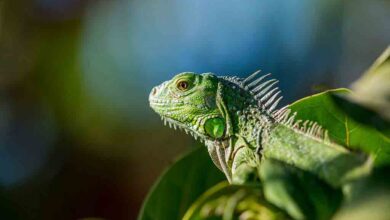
262, 85
250, 77
261, 89
297, 123
318, 131
311, 128
284, 117
254, 83
266, 89
326, 136
280, 113
273, 106
268, 94
271, 100
304, 126
291, 119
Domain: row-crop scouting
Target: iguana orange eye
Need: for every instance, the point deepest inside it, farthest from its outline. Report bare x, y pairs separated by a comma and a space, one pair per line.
182, 85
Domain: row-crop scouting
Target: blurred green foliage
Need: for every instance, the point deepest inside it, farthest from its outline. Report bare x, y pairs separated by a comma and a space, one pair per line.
300, 194
180, 186
233, 202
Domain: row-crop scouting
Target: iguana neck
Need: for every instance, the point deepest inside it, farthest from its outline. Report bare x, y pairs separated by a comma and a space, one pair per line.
248, 120
251, 122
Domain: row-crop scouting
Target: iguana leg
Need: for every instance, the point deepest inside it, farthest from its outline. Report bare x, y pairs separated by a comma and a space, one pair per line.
244, 167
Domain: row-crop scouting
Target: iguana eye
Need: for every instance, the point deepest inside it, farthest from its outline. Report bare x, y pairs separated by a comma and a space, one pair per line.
182, 85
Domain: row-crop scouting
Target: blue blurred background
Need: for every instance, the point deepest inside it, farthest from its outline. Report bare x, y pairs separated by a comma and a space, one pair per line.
77, 138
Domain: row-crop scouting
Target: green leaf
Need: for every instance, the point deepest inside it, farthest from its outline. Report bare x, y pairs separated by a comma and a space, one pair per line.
362, 114
341, 127
369, 102
369, 197
228, 202
300, 193
180, 185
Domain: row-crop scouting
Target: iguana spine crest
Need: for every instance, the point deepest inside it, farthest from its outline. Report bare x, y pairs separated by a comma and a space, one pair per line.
268, 97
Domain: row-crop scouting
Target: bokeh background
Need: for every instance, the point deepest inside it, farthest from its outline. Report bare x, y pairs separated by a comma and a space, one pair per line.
77, 137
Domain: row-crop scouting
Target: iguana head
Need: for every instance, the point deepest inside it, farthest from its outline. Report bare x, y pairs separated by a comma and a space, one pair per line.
189, 102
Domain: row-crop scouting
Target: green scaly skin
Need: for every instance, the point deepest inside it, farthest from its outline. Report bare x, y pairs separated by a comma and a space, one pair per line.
236, 120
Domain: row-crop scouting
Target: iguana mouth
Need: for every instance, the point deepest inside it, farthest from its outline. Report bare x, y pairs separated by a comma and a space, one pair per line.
163, 102
183, 127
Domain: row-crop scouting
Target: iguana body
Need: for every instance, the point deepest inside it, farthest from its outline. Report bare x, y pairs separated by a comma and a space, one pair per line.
237, 121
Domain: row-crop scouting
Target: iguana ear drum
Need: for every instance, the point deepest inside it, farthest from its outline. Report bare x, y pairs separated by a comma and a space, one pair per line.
215, 127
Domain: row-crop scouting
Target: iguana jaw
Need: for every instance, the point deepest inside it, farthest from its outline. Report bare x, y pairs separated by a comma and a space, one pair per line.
169, 111
181, 126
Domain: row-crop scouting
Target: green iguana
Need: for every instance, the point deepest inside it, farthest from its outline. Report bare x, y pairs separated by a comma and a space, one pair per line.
240, 124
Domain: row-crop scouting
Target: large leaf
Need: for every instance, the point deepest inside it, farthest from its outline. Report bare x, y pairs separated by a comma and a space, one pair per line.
362, 114
369, 102
180, 185
342, 128
300, 193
